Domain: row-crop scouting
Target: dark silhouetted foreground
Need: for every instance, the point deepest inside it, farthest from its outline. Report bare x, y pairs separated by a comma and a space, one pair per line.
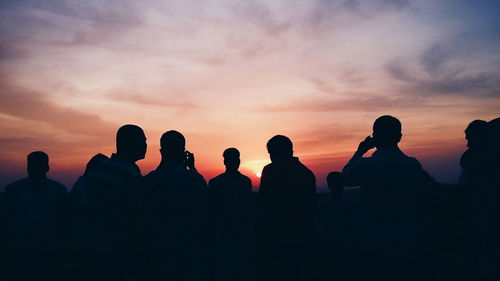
386, 218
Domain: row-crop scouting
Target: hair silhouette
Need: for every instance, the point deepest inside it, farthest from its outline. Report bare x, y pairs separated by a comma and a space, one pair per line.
131, 143
231, 159
280, 148
476, 133
386, 131
172, 145
38, 165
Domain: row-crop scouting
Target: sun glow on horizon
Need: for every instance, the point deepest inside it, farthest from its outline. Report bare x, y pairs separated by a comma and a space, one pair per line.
229, 74
255, 166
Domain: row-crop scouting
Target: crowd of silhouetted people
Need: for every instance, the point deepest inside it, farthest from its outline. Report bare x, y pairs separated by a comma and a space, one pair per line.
117, 224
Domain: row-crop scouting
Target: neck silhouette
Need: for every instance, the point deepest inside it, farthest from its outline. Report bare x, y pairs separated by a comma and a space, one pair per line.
172, 158
126, 157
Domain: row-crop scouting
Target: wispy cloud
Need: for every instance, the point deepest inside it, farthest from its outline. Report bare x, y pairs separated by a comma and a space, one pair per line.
237, 72
32, 105
361, 103
460, 82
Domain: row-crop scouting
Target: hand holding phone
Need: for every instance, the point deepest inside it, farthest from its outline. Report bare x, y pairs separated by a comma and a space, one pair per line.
189, 160
366, 145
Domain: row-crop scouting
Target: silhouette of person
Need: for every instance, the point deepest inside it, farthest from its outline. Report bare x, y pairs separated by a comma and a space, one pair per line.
113, 204
286, 199
177, 212
474, 176
480, 163
389, 182
79, 222
35, 210
230, 195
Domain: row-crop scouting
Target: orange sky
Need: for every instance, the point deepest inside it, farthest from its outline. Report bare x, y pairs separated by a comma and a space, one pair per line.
233, 74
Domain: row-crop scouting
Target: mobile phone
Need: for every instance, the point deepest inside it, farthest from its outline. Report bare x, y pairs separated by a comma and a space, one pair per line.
369, 142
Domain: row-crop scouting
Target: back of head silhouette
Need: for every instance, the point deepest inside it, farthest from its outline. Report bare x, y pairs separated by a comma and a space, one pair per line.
476, 133
94, 161
231, 159
38, 165
280, 148
334, 180
131, 142
386, 131
173, 145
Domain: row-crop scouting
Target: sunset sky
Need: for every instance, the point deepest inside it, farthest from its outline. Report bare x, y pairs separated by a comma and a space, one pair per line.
229, 73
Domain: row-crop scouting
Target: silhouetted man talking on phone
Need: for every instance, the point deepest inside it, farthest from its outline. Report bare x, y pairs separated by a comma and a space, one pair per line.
177, 211
390, 181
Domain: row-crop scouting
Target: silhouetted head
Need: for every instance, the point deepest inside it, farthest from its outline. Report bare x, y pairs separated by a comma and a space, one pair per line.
131, 143
386, 131
38, 165
94, 161
334, 180
231, 159
280, 148
476, 133
173, 145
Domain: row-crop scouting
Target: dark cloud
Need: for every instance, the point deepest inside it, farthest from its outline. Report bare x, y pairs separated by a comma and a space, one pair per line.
396, 70
326, 14
482, 84
433, 59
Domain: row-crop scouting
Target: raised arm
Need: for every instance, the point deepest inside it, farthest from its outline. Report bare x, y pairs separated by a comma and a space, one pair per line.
353, 171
